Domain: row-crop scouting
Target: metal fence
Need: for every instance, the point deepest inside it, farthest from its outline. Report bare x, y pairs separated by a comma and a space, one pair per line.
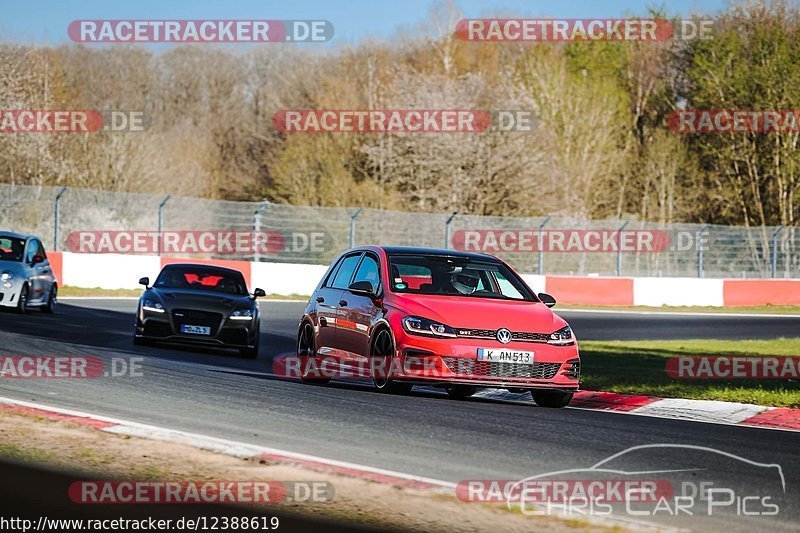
723, 251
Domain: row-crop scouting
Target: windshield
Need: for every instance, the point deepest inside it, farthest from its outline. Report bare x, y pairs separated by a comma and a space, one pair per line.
456, 276
204, 279
11, 248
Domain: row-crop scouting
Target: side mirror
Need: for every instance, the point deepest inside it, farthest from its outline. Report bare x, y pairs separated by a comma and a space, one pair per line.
547, 300
37, 259
259, 293
364, 288
145, 281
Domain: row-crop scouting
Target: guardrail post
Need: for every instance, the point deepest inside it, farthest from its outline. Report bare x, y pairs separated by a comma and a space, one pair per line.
56, 211
447, 229
353, 218
540, 258
775, 251
700, 272
161, 219
257, 224
619, 248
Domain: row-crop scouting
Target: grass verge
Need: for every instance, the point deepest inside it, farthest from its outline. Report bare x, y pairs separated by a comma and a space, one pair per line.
638, 367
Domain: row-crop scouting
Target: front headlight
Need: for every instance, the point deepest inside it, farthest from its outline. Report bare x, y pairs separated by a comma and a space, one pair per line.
152, 305
242, 314
423, 326
6, 276
562, 337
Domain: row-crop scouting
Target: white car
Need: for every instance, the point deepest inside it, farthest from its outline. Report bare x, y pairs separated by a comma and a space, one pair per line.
26, 278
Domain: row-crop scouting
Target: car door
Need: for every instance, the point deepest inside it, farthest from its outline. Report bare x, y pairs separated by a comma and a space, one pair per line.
43, 271
327, 304
358, 313
31, 272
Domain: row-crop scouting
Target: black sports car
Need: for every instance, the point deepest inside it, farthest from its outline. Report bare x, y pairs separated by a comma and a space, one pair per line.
199, 304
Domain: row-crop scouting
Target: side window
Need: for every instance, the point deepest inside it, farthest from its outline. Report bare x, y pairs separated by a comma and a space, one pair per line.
368, 271
40, 249
32, 250
342, 278
332, 273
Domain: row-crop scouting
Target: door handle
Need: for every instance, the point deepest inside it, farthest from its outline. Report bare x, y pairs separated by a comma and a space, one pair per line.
323, 322
343, 303
320, 299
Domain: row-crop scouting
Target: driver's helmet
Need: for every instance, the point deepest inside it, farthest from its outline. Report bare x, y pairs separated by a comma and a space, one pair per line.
465, 281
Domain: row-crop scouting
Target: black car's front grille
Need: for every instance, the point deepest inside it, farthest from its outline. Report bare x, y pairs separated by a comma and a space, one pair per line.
192, 317
522, 336
471, 367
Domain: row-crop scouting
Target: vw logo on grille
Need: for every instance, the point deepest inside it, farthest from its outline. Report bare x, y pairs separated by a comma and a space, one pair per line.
503, 335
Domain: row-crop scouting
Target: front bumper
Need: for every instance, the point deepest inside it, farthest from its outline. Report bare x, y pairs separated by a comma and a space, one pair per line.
454, 361
224, 331
9, 293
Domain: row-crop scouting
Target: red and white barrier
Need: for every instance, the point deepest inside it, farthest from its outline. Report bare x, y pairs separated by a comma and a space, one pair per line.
115, 271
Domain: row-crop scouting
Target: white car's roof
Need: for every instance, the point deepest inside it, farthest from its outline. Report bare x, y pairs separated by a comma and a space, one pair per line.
15, 235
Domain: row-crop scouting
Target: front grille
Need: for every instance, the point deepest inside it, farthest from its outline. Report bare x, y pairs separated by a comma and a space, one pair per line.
472, 367
196, 318
522, 336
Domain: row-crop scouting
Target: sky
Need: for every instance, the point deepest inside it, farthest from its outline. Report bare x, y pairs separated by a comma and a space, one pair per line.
45, 22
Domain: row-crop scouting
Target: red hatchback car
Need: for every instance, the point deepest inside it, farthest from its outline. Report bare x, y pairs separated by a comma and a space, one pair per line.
461, 321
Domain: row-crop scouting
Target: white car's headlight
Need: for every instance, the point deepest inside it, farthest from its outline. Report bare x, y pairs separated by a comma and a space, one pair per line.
6, 276
242, 314
152, 305
562, 337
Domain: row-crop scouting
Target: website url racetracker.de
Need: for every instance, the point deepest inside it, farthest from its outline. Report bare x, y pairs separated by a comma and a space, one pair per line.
197, 523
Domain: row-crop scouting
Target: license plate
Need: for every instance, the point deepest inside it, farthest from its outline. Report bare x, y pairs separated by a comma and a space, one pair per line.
496, 355
195, 330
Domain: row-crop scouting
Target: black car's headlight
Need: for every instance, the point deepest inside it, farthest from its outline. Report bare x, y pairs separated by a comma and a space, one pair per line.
423, 326
152, 305
562, 337
242, 314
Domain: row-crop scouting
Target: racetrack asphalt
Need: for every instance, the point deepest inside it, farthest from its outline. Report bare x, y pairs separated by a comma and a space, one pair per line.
423, 433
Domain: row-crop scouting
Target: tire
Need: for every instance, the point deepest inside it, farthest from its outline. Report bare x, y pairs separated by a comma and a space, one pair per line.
460, 392
383, 347
52, 301
306, 350
22, 300
551, 399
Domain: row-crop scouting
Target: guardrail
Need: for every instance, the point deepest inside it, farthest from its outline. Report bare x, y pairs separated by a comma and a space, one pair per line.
693, 250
